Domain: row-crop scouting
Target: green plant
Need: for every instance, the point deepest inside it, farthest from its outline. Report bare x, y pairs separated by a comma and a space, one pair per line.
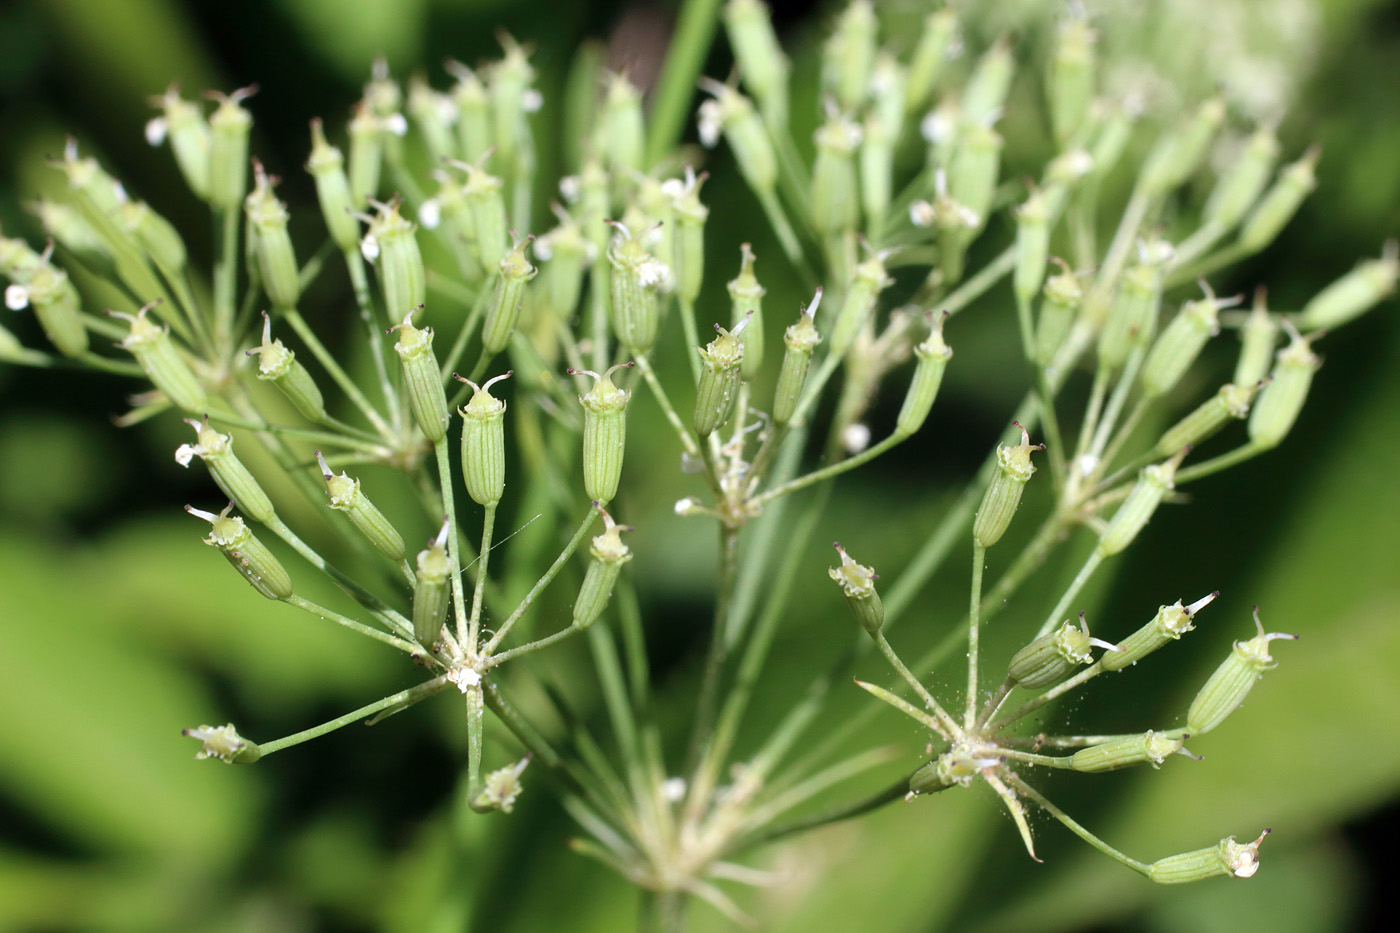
674, 837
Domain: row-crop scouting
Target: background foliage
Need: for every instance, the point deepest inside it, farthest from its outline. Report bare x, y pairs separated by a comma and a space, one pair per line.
119, 629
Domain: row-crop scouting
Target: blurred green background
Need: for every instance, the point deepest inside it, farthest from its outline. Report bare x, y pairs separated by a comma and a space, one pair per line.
119, 629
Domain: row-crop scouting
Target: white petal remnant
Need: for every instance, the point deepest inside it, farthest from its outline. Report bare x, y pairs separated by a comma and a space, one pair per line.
464, 678
222, 743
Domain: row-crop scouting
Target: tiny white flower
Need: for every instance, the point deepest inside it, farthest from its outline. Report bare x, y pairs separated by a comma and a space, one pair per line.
936, 127
673, 789
1087, 463
685, 506
531, 101
544, 249
446, 108
921, 214
570, 188
185, 453
673, 188
156, 128
369, 248
710, 122
221, 743
855, 438
430, 213
16, 297
653, 273
396, 124
464, 678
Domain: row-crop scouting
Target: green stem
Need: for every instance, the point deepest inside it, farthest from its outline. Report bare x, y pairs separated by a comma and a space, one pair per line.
489, 648
685, 57
1059, 690
1077, 584
703, 730
488, 526
662, 399
359, 284
948, 722
835, 469
411, 695
337, 618
896, 791
1215, 465
974, 622
459, 599
1027, 791
225, 275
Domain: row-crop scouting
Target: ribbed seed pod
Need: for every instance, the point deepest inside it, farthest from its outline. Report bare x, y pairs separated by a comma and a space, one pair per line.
688, 243
89, 179
182, 122
799, 341
422, 377
504, 311
1170, 623
1003, 496
1233, 679
762, 63
637, 279
17, 260
834, 203
566, 253
1053, 656
512, 98
366, 153
1150, 747
1354, 293
1281, 399
931, 54
1228, 858
486, 206
1179, 151
433, 114
857, 581
1032, 247
158, 358
931, 359
1115, 127
1257, 340
1280, 202
976, 164
604, 433
1071, 81
272, 245
984, 95
154, 235
849, 54
229, 473
229, 127
1060, 302
346, 496
622, 126
474, 132
876, 171
391, 245
732, 113
484, 442
866, 285
1180, 343
746, 298
279, 366
1231, 401
431, 596
717, 393
609, 554
1153, 483
1132, 319
1241, 184
55, 302
246, 553
327, 168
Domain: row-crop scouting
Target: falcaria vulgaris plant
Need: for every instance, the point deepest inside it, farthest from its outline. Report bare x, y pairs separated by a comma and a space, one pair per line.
508, 334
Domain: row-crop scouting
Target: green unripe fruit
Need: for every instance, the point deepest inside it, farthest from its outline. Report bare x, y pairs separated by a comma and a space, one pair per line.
688, 244
235, 479
604, 434
346, 496
431, 595
1179, 344
799, 341
183, 123
484, 442
272, 245
422, 378
249, 556
1280, 203
637, 280
504, 312
1054, 656
1154, 482
857, 581
391, 245
366, 154
1233, 679
327, 168
718, 391
1170, 623
279, 366
1281, 400
746, 297
931, 359
609, 554
1060, 302
1231, 401
1150, 747
229, 127
55, 302
157, 356
1003, 496
1228, 858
